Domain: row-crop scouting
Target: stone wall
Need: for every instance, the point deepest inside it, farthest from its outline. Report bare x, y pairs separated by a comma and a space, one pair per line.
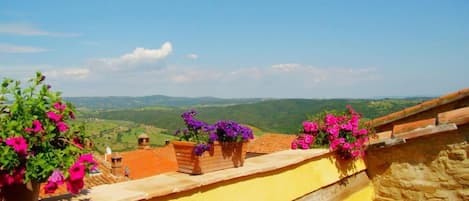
428, 168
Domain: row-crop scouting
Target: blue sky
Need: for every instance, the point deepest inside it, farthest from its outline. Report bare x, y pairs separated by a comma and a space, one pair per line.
280, 49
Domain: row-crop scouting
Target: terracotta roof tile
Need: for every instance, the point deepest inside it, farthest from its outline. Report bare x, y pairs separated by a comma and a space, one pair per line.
380, 137
269, 143
458, 116
405, 127
427, 105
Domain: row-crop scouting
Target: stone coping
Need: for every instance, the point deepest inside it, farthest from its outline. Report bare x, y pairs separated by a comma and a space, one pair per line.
174, 182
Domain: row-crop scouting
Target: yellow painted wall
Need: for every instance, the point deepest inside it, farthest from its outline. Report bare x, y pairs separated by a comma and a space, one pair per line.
279, 185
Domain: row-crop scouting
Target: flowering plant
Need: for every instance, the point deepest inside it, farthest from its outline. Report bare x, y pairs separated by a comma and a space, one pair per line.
342, 133
205, 134
37, 141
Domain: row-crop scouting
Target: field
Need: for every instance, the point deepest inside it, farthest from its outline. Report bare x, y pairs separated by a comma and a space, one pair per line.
122, 135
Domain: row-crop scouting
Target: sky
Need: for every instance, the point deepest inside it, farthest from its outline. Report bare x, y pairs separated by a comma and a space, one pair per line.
239, 49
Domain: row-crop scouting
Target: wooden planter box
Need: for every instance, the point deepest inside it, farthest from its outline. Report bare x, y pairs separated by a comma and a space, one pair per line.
221, 156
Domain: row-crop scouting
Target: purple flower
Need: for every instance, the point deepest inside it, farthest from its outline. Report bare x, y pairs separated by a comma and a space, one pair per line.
199, 149
213, 137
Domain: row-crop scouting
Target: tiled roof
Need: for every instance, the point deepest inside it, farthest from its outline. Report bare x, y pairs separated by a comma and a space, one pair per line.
269, 143
442, 122
148, 162
427, 105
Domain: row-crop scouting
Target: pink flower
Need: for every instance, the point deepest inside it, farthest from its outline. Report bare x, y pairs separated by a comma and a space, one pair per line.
346, 146
50, 187
53, 116
60, 106
77, 172
294, 145
74, 186
304, 145
334, 131
347, 126
56, 177
63, 127
310, 126
37, 126
354, 121
335, 143
18, 144
362, 132
308, 139
331, 120
88, 159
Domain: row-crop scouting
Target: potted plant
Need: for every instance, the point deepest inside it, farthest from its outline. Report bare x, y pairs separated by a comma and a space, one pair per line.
341, 132
38, 143
204, 148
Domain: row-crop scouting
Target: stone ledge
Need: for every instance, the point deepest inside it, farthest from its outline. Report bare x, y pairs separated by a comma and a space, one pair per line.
174, 182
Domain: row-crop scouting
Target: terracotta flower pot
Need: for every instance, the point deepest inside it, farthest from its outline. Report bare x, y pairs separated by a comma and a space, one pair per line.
23, 192
220, 156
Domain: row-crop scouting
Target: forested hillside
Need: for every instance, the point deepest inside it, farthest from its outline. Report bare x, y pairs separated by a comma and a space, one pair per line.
284, 116
120, 102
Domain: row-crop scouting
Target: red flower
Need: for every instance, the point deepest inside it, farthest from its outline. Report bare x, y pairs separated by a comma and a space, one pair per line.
75, 186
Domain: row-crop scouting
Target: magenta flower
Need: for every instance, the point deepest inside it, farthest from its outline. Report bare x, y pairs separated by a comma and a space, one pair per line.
304, 145
18, 144
335, 143
62, 126
60, 106
53, 116
37, 126
88, 159
50, 187
308, 139
346, 146
294, 145
77, 172
310, 126
331, 120
334, 131
348, 126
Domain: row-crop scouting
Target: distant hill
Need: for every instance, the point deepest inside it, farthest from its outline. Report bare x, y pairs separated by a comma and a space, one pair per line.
121, 102
282, 116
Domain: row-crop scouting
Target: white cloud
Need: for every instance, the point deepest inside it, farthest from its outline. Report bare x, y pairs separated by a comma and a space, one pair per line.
74, 73
29, 30
286, 67
192, 56
140, 56
9, 48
